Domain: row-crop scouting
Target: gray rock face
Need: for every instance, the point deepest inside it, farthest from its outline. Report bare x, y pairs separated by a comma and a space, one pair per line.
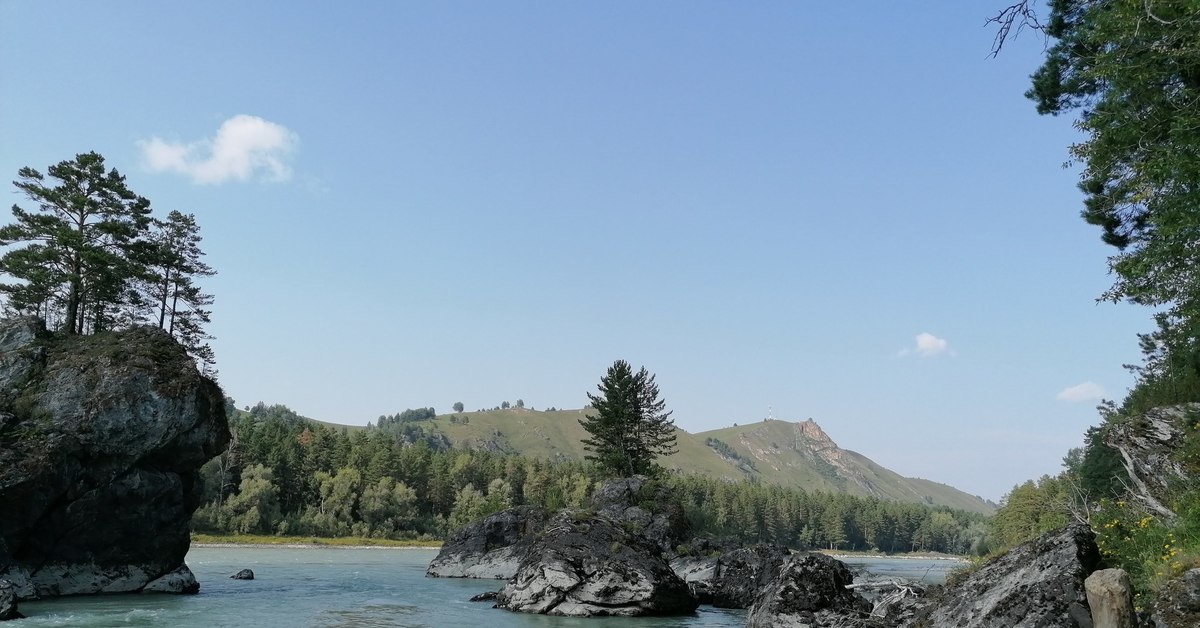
181, 580
1147, 445
582, 565
1178, 604
739, 575
8, 601
488, 548
1035, 585
808, 592
245, 574
627, 500
102, 437
1110, 599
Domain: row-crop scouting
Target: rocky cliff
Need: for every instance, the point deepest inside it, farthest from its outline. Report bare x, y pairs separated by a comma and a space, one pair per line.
100, 440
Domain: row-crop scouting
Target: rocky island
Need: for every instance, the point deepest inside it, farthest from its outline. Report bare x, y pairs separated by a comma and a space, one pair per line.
101, 437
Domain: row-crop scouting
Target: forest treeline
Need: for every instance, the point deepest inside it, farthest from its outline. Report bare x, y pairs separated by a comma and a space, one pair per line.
1128, 71
284, 474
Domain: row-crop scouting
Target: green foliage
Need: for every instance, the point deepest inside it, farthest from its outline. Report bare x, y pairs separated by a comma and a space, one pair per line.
90, 258
1132, 72
723, 448
373, 483
1031, 509
630, 426
76, 265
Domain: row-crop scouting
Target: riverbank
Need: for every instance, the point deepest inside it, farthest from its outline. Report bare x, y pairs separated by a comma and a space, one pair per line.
302, 542
840, 554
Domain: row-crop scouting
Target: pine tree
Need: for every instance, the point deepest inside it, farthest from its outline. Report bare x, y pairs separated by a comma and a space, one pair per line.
172, 257
629, 426
76, 265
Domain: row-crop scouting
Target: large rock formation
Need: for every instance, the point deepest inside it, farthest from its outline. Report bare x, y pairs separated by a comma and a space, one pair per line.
489, 548
101, 439
1148, 445
1037, 584
644, 505
583, 565
733, 578
810, 591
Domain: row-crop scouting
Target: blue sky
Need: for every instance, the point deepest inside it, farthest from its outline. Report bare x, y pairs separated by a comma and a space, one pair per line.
846, 213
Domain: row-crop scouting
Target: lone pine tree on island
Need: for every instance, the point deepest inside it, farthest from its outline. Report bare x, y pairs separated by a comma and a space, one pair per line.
629, 426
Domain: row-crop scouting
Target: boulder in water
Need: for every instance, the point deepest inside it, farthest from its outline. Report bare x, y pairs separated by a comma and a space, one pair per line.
103, 437
8, 601
488, 548
809, 591
584, 565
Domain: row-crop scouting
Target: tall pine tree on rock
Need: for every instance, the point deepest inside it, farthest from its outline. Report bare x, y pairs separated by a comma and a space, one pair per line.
629, 426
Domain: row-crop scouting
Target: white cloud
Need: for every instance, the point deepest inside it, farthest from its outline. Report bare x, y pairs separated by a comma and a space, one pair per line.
928, 345
243, 147
1087, 391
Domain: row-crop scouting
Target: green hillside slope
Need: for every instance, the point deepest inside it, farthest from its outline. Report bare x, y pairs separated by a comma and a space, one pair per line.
777, 452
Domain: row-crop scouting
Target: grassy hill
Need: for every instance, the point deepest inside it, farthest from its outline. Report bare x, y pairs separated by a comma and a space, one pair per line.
777, 452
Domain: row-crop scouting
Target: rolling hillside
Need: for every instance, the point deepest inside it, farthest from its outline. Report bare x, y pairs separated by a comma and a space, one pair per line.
772, 451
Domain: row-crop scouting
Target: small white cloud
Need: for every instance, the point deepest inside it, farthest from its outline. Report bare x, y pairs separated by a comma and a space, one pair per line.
1087, 391
927, 346
243, 147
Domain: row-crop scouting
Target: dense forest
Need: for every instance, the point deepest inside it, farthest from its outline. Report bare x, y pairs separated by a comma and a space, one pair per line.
1130, 72
287, 475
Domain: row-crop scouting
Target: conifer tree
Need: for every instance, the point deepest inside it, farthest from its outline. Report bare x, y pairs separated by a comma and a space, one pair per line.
76, 264
629, 426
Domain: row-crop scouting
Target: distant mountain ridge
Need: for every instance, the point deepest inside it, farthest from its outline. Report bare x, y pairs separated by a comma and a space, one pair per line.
800, 454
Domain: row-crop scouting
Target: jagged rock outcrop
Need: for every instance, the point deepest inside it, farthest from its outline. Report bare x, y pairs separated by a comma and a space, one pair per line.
645, 505
1037, 584
490, 548
732, 579
244, 574
584, 564
808, 592
8, 602
1148, 444
101, 437
739, 575
1177, 605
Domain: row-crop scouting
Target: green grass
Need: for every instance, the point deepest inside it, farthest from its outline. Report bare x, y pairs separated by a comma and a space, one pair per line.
346, 541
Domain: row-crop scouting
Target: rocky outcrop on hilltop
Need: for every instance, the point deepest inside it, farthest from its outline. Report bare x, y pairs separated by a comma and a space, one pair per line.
101, 437
489, 548
585, 565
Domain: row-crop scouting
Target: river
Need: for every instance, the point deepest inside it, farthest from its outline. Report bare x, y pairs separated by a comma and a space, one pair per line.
331, 587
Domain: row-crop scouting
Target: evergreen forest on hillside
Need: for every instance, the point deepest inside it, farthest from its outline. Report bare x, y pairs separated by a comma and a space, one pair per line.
287, 475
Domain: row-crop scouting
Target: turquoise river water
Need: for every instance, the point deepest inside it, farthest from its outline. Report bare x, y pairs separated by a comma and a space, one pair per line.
328, 587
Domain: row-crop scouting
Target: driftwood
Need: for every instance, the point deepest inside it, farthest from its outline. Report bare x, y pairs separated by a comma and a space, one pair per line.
889, 591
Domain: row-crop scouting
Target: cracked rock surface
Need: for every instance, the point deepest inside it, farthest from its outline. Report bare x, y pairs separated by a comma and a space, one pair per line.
101, 438
583, 564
